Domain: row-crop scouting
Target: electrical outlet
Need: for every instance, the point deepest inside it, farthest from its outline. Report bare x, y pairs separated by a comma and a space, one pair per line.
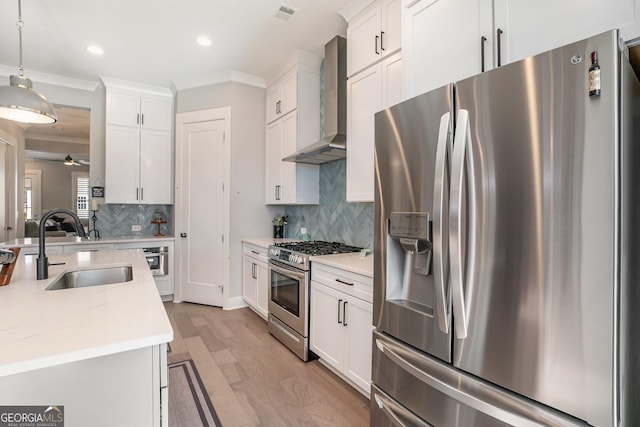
136, 228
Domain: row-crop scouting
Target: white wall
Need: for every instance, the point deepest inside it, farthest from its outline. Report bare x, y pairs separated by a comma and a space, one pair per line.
249, 217
57, 184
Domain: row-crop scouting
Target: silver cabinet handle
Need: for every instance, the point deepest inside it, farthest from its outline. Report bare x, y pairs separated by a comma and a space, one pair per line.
138, 118
142, 119
461, 150
141, 193
441, 182
343, 282
137, 193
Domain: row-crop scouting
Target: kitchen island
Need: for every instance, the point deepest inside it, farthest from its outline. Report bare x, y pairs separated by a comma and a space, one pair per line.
98, 351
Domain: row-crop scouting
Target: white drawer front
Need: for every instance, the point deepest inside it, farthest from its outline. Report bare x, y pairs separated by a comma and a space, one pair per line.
350, 283
255, 251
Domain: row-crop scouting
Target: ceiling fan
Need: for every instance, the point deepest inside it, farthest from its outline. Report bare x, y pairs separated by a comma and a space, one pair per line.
68, 160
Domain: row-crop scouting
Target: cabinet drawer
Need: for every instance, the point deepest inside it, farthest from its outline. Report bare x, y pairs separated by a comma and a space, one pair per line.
350, 283
255, 251
88, 247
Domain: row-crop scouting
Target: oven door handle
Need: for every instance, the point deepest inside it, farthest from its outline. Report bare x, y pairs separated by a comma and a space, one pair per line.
300, 275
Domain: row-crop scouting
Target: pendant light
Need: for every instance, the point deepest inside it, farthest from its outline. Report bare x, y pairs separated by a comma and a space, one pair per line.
18, 101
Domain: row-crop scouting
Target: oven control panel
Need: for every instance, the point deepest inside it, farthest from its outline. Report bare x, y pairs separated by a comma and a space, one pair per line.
285, 255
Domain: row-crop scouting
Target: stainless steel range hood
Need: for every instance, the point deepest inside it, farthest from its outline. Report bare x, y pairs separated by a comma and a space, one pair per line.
334, 145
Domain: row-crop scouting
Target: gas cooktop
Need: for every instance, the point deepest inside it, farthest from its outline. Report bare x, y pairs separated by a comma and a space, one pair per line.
318, 248
297, 254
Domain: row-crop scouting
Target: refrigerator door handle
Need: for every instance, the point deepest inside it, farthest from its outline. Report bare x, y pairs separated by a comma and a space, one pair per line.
461, 153
398, 416
417, 365
439, 264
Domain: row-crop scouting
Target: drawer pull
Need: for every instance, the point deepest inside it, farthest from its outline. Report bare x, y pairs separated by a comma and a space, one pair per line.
255, 252
343, 282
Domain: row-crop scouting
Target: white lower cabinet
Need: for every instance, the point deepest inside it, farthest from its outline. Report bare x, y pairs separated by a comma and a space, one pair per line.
133, 383
255, 280
341, 323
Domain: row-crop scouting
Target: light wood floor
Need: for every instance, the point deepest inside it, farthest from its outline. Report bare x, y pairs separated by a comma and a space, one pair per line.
252, 379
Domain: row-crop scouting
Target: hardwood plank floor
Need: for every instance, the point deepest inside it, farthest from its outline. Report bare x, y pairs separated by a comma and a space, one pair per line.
252, 379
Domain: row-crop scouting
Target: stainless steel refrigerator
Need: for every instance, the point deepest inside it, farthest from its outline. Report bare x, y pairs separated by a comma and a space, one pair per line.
506, 278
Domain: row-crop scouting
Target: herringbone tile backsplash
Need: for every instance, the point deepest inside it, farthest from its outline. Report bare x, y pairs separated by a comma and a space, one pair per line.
333, 219
116, 220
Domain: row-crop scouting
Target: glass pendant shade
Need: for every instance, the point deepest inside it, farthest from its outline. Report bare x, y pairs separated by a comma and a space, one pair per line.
20, 103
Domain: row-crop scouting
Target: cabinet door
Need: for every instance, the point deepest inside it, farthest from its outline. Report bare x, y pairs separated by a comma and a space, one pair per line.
156, 171
363, 101
273, 99
363, 39
263, 285
535, 27
326, 328
289, 93
392, 86
156, 113
273, 155
289, 125
249, 281
122, 162
442, 42
391, 34
123, 109
358, 317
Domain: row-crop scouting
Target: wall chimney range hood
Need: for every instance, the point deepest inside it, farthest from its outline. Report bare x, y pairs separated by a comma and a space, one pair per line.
334, 144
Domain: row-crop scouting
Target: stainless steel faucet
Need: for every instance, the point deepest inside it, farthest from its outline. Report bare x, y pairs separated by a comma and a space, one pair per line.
42, 263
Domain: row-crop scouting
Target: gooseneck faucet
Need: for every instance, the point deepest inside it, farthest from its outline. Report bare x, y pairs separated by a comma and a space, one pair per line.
42, 263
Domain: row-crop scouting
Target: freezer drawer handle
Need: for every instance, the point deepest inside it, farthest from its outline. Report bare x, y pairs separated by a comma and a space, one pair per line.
441, 182
387, 407
462, 155
452, 391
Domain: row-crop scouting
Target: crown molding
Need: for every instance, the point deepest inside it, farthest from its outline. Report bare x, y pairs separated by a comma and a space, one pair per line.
52, 79
219, 77
112, 83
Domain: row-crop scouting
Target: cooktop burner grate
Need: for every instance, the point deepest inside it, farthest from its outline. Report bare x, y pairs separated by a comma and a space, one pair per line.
318, 247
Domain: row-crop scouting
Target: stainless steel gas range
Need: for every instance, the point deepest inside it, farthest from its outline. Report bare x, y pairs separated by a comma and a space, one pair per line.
290, 276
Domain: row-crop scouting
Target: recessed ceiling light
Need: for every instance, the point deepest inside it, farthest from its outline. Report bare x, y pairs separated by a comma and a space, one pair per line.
96, 50
203, 41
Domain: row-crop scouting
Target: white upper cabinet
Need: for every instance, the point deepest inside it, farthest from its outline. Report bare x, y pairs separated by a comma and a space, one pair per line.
145, 111
138, 146
445, 41
448, 40
293, 123
373, 34
282, 97
529, 28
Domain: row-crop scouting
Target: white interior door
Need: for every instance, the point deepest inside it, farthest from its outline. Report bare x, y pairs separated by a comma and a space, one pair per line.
203, 210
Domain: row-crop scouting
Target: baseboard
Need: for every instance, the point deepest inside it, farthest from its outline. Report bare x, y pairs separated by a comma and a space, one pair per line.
234, 303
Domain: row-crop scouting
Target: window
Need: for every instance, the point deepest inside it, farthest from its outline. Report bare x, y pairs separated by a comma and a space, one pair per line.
28, 198
81, 194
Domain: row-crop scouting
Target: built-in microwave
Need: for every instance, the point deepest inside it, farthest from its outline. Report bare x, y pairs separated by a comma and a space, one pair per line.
158, 259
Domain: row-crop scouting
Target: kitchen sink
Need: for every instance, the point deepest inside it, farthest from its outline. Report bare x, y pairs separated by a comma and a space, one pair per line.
92, 277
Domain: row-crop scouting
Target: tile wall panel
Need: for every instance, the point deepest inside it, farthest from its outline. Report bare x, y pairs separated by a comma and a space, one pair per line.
116, 220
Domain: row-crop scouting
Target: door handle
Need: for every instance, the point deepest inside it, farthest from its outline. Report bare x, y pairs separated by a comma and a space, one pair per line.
183, 235
141, 193
339, 304
462, 150
142, 119
376, 49
253, 270
483, 41
382, 40
499, 41
441, 182
137, 193
138, 118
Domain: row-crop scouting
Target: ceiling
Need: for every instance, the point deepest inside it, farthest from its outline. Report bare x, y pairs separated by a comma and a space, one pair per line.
153, 41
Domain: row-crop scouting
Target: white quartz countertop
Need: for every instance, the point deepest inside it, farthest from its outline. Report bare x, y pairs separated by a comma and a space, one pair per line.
265, 242
61, 241
40, 328
352, 262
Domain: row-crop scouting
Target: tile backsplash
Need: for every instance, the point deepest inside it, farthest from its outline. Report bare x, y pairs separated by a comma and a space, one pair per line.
333, 219
116, 220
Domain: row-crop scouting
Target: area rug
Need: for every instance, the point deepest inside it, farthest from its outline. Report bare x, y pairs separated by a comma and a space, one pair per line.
189, 403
